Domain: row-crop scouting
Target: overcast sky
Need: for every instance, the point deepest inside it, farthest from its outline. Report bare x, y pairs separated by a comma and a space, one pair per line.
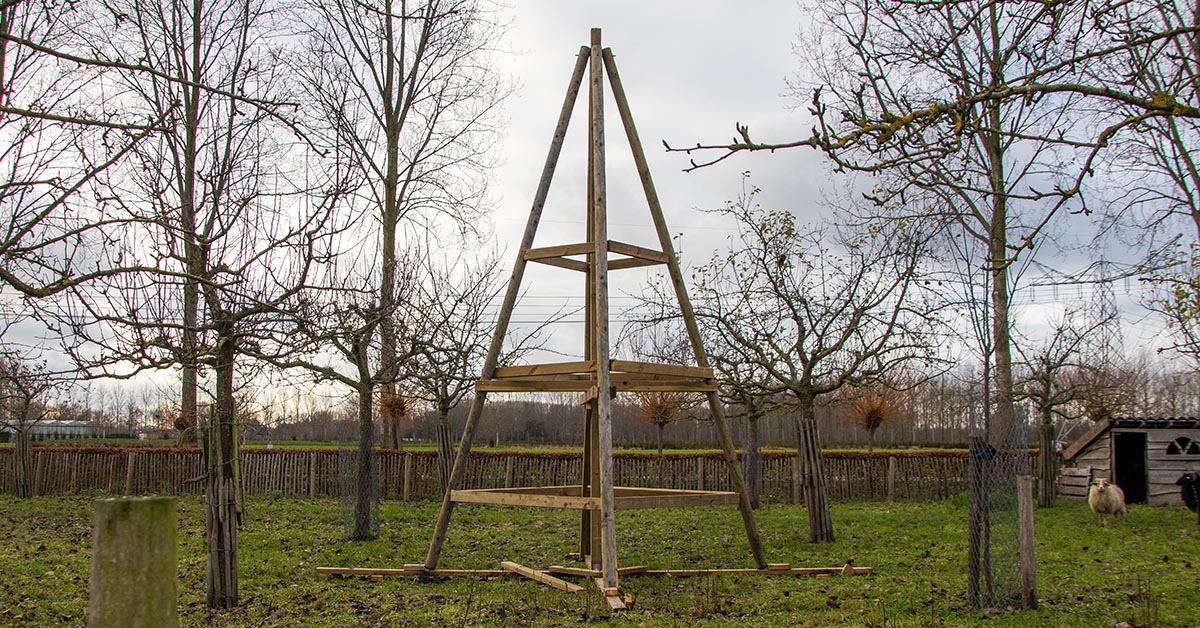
690, 71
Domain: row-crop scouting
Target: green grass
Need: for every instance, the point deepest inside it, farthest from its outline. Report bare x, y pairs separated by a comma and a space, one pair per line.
1143, 570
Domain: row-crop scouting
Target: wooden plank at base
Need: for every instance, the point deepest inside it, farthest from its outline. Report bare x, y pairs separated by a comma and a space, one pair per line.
411, 570
540, 576
594, 573
574, 571
794, 571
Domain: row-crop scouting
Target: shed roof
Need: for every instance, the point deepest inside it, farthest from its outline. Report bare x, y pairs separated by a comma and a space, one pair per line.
1102, 427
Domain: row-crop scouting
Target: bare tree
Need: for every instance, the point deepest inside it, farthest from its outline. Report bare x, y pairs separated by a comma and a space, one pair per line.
816, 310
228, 248
56, 140
1054, 382
452, 311
405, 93
24, 388
331, 330
660, 409
993, 114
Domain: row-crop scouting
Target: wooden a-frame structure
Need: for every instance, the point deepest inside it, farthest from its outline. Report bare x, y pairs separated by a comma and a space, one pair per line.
597, 376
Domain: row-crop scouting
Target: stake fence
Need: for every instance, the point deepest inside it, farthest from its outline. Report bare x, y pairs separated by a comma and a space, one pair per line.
413, 475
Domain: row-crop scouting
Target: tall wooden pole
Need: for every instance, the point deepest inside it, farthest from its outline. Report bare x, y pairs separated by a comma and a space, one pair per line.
510, 300
685, 307
599, 269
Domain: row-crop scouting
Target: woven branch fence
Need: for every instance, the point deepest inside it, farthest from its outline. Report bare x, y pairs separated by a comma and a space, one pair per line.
414, 475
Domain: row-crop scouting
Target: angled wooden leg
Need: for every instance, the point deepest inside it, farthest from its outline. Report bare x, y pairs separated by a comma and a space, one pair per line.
685, 306
510, 300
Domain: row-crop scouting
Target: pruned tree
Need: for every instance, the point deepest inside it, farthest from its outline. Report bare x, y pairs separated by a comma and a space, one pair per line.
1054, 382
660, 409
24, 390
211, 193
330, 330
452, 310
874, 406
816, 309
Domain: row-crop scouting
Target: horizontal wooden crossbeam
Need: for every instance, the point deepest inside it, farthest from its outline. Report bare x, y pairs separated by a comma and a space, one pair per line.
571, 497
560, 255
580, 376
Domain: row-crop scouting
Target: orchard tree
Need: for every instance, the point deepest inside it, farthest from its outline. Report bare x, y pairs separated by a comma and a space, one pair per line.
816, 309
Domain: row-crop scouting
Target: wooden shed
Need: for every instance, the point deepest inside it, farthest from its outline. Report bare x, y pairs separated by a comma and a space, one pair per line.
1143, 456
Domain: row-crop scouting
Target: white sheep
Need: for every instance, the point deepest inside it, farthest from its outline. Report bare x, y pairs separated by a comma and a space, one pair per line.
1106, 498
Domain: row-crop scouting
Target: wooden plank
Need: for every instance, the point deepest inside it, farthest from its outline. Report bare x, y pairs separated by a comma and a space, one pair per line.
626, 263
554, 368
635, 385
611, 596
561, 250
540, 576
574, 571
411, 570
523, 499
532, 385
794, 571
678, 501
672, 370
650, 255
562, 262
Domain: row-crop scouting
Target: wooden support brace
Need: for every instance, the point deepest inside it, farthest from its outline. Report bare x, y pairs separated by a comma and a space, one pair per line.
540, 576
594, 573
410, 570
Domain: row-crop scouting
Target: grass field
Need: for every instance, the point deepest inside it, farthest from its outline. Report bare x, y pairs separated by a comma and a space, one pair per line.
1143, 571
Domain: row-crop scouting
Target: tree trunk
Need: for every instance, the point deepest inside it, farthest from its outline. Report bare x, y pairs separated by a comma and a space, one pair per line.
445, 448
871, 440
222, 514
660, 427
23, 463
812, 473
365, 480
1048, 465
752, 462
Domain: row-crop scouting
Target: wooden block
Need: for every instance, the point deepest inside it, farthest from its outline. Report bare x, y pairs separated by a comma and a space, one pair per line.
615, 603
628, 598
848, 570
376, 577
822, 576
779, 566
627, 571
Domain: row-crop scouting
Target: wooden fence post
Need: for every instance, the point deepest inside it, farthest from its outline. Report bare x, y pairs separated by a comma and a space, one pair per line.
129, 462
312, 473
408, 471
39, 472
508, 472
796, 479
1028, 564
699, 473
891, 479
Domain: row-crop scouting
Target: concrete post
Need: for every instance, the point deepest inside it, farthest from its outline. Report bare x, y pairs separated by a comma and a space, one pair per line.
134, 564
